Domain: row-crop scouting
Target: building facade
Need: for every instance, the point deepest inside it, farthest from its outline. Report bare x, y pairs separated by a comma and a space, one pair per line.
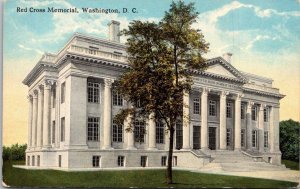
72, 103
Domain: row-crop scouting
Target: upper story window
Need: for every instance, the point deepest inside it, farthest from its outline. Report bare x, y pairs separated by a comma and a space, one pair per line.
254, 113
93, 129
62, 129
117, 99
63, 92
196, 106
212, 108
160, 132
117, 132
139, 131
266, 114
54, 97
93, 91
229, 110
243, 111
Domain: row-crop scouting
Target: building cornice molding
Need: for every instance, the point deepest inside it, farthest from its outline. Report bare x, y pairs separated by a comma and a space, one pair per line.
277, 95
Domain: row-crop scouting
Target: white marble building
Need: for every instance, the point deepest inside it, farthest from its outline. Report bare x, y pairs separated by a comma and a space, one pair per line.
72, 104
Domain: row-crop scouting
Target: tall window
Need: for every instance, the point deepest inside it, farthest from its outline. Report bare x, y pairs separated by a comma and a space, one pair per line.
96, 160
62, 129
196, 106
228, 137
212, 108
266, 114
38, 160
93, 91
117, 132
93, 128
179, 135
53, 132
59, 160
254, 113
144, 161
228, 110
174, 161
159, 132
243, 137
33, 161
54, 97
117, 99
266, 139
63, 92
163, 160
242, 111
121, 161
28, 160
139, 131
254, 139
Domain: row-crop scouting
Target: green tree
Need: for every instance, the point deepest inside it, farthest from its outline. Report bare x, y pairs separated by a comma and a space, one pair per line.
290, 139
161, 57
15, 152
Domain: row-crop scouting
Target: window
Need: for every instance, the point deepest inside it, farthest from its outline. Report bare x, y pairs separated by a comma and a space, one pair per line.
254, 112
33, 161
266, 139
138, 103
121, 161
164, 161
59, 160
93, 128
96, 160
266, 114
160, 132
28, 160
254, 139
243, 137
54, 97
63, 92
139, 131
242, 111
38, 161
62, 129
179, 135
228, 137
53, 132
196, 136
196, 106
228, 110
143, 161
93, 91
174, 161
117, 99
212, 108
117, 132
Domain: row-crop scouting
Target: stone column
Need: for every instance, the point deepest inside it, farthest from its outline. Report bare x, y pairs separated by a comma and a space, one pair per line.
237, 123
39, 131
34, 118
46, 116
261, 128
186, 121
30, 106
107, 114
249, 126
152, 132
204, 127
274, 129
130, 134
223, 120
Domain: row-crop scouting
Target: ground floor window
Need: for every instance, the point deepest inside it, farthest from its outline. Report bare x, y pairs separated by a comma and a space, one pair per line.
53, 132
121, 161
117, 132
196, 136
144, 161
254, 139
28, 160
93, 129
139, 131
179, 136
163, 160
243, 137
174, 161
228, 137
266, 139
33, 160
59, 160
160, 132
96, 161
38, 160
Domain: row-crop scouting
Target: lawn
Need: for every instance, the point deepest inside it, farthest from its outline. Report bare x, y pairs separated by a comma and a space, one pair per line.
138, 178
293, 165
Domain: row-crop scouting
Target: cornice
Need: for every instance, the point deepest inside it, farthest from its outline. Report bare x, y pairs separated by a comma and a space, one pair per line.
277, 95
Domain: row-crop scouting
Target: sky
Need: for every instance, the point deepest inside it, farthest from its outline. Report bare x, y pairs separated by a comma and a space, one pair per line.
262, 35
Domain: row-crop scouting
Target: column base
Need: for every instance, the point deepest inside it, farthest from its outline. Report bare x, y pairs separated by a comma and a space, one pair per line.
107, 148
131, 148
237, 149
46, 147
152, 148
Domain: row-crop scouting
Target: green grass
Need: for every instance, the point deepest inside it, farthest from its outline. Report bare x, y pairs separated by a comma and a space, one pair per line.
139, 178
294, 165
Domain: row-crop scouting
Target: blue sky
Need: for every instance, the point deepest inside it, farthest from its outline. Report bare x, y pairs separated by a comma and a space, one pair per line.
262, 35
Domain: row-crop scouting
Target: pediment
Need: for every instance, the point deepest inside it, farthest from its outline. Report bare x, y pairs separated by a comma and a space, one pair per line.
220, 70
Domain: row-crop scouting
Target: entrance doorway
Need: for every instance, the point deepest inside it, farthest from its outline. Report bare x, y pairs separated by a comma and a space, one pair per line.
212, 138
196, 137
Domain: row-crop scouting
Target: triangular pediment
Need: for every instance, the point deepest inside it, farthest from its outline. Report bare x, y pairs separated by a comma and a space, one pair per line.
221, 68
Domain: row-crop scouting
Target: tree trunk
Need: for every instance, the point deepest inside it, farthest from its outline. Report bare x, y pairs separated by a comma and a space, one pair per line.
170, 156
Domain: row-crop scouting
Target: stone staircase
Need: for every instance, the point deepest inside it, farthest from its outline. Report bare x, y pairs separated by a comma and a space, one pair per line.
235, 161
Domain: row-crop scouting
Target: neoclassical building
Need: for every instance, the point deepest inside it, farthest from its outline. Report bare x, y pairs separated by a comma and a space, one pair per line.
72, 103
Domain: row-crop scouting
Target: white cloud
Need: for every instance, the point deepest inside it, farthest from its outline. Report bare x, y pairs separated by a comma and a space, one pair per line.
30, 49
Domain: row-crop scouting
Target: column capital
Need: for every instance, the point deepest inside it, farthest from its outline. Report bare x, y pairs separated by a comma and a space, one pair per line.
238, 96
41, 88
29, 97
108, 82
223, 94
49, 83
35, 94
262, 106
205, 91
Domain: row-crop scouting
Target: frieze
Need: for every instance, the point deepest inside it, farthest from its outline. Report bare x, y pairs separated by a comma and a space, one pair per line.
215, 83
